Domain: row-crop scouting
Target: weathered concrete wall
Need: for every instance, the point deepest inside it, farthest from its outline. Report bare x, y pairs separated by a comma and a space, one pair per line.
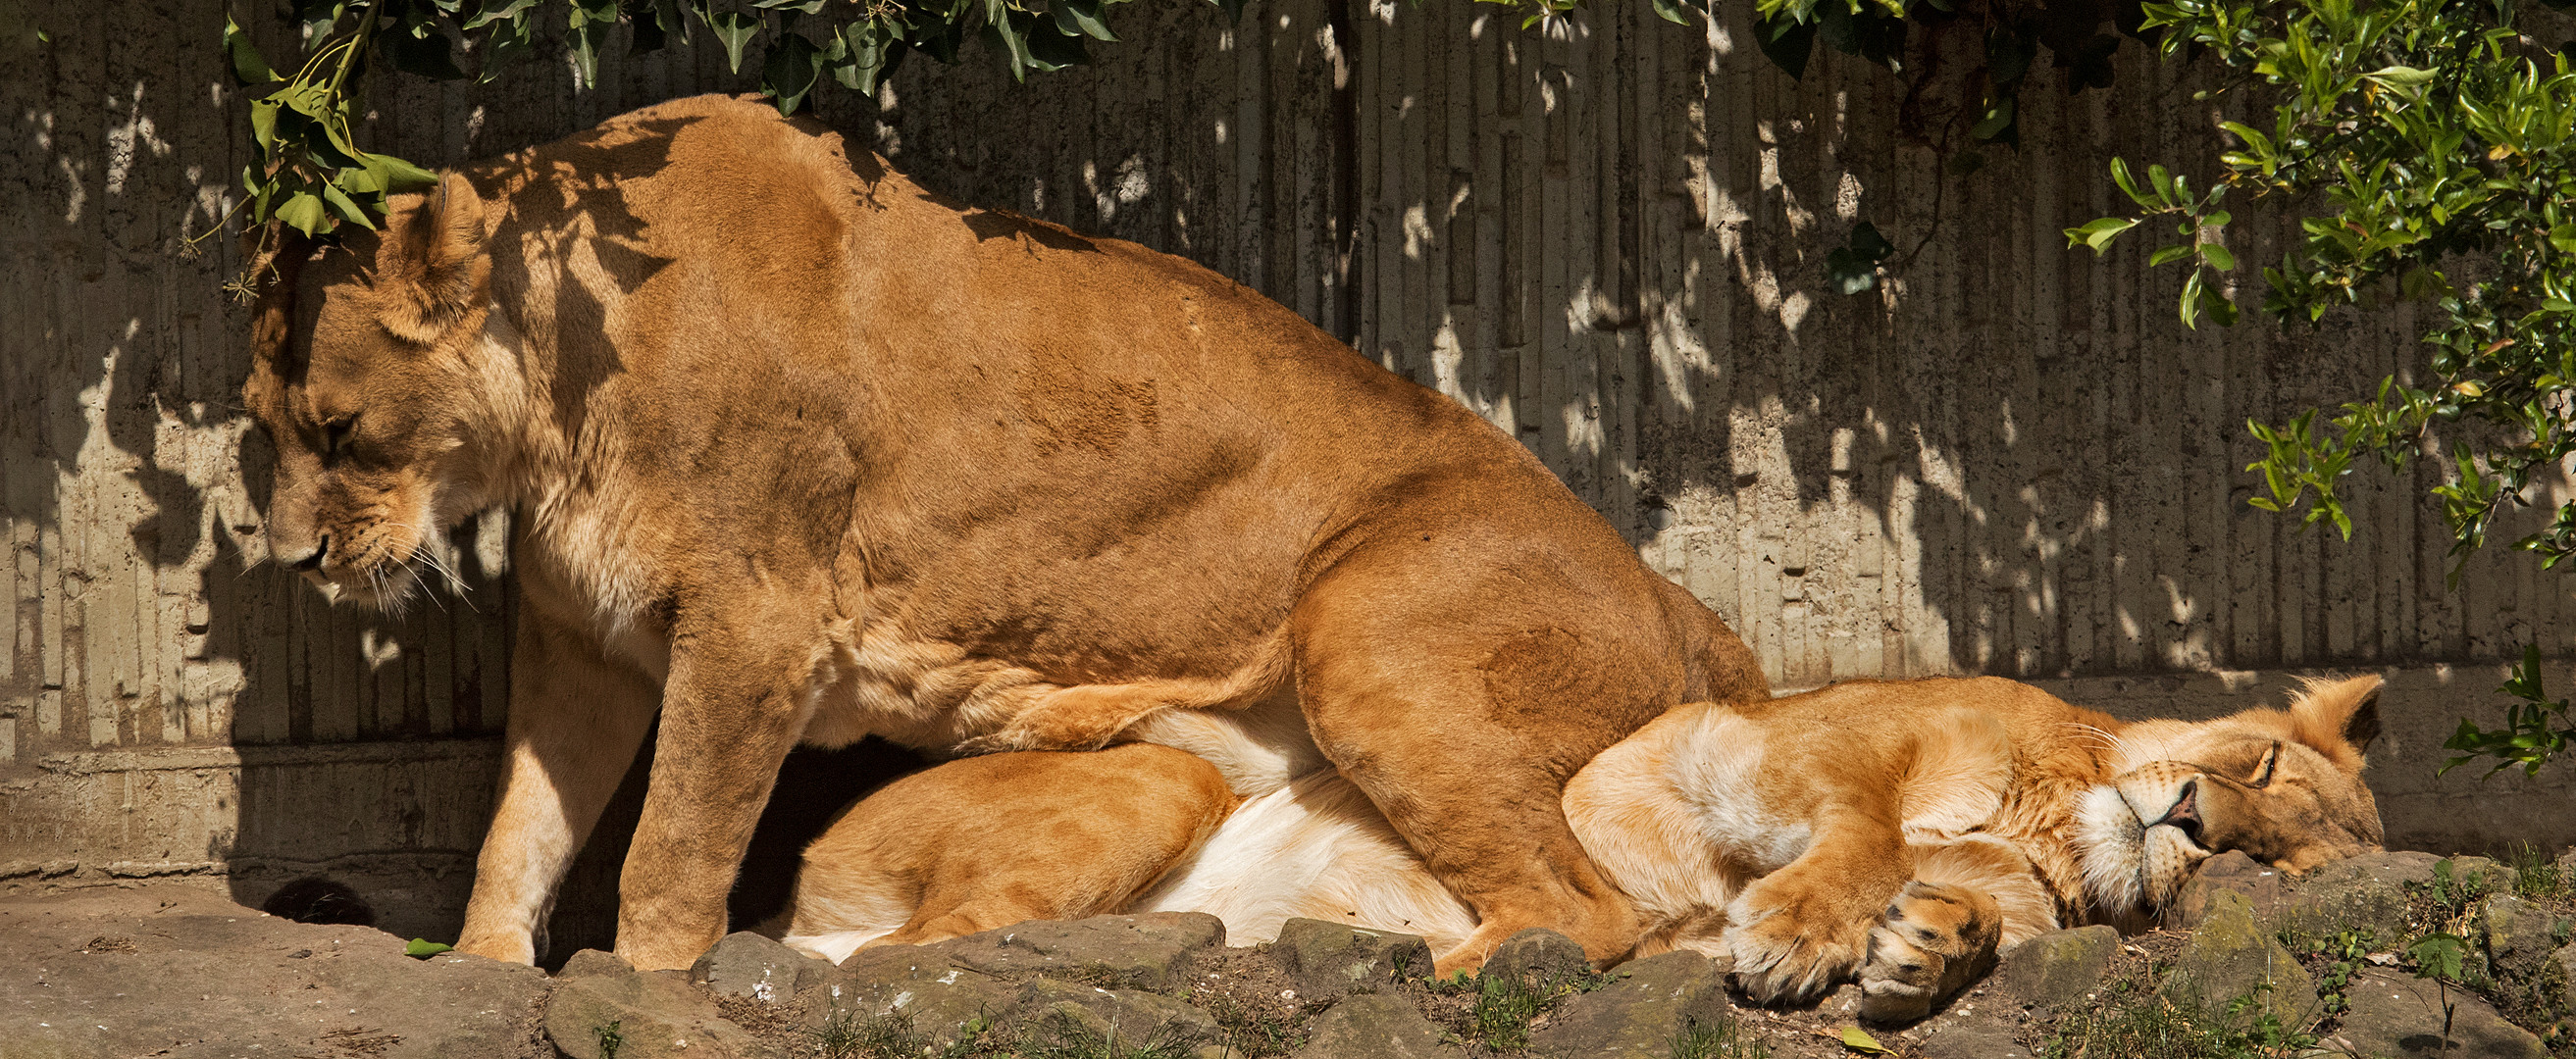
1606, 237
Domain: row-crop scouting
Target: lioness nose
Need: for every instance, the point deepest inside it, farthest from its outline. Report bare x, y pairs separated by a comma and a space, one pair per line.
311, 560
2185, 813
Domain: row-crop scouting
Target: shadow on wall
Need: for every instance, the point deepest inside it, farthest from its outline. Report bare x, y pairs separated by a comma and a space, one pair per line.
1606, 236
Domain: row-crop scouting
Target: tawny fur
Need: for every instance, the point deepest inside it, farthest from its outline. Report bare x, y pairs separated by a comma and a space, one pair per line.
1898, 833
797, 450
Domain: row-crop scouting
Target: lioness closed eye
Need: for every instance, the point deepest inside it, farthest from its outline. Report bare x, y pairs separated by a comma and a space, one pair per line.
797, 450
1897, 832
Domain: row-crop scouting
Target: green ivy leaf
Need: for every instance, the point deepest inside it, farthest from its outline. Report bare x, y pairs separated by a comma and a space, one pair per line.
794, 65
1082, 18
733, 29
263, 124
589, 24
348, 210
1998, 120
2400, 76
490, 13
301, 211
2099, 233
399, 175
248, 67
1787, 42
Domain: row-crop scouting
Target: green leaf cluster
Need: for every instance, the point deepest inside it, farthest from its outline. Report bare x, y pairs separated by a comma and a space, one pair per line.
313, 177
2425, 148
2536, 728
2077, 34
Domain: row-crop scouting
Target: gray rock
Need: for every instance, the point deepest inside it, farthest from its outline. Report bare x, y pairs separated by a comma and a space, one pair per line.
1973, 1040
589, 962
942, 1001
746, 964
1154, 951
2261, 885
1539, 954
2519, 937
1328, 960
2058, 968
2233, 955
2401, 1018
640, 1016
1091, 1019
1640, 1014
117, 972
2368, 892
1378, 1026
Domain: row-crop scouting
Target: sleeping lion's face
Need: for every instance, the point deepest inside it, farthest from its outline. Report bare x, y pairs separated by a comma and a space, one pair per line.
2283, 787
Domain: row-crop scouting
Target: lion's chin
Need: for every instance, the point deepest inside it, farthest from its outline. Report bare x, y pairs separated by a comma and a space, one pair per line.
2111, 846
386, 587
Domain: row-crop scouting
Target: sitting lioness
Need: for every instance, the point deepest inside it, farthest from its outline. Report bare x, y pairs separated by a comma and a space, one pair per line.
796, 450
1896, 832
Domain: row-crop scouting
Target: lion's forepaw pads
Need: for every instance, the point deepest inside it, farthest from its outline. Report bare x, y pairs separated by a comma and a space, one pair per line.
1780, 959
1934, 940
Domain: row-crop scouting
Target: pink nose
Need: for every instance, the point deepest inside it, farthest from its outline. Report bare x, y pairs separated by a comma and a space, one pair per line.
2185, 812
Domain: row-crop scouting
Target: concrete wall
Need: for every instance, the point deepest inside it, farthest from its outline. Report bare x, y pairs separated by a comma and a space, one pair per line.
1607, 237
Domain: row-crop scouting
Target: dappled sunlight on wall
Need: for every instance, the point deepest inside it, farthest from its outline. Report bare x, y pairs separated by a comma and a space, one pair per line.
1605, 235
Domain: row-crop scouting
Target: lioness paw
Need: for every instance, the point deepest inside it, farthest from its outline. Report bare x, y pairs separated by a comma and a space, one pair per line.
1789, 954
1935, 939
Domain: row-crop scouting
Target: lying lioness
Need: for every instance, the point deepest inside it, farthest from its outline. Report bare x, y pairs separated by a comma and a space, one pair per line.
799, 451
1901, 831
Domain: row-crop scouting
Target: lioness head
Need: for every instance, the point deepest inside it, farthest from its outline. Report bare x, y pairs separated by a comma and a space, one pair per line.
364, 378
2283, 786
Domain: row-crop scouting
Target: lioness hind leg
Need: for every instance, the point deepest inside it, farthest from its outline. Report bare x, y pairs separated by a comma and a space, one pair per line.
990, 841
1969, 898
1463, 734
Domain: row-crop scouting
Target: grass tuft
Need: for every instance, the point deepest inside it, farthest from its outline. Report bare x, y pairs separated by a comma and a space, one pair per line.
1723, 1039
2129, 1022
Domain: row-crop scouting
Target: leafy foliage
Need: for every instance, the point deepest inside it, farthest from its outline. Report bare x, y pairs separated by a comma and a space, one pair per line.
2535, 728
2427, 145
313, 177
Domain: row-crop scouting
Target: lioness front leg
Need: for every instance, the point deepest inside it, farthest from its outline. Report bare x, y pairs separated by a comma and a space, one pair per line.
1800, 931
576, 720
1942, 931
736, 701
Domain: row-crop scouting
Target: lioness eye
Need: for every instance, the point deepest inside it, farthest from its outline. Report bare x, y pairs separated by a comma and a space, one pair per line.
2263, 773
335, 433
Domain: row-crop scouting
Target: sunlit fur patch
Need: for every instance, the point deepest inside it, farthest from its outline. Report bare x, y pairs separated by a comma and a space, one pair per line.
2110, 842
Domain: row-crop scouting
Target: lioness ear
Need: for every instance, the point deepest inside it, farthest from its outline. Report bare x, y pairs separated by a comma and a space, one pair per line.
431, 262
2338, 718
276, 254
